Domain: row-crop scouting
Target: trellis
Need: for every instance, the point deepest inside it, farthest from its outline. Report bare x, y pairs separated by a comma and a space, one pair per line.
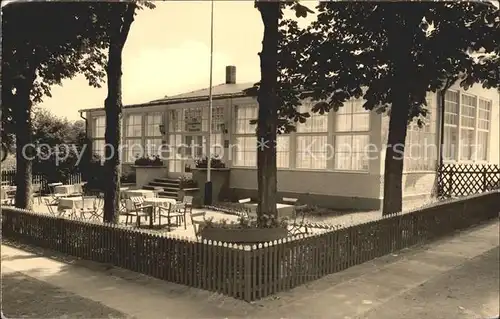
457, 180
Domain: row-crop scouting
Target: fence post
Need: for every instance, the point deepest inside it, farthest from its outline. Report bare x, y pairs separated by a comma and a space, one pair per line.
247, 273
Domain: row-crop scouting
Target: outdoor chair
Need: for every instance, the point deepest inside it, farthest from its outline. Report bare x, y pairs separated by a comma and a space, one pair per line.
50, 207
188, 200
77, 191
124, 210
6, 199
196, 223
93, 211
156, 191
37, 192
141, 210
242, 209
300, 213
177, 211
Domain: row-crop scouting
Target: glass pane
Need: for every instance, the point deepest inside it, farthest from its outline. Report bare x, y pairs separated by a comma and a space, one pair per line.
343, 122
361, 122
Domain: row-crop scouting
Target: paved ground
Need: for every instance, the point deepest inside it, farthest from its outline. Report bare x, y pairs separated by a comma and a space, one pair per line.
468, 291
456, 277
26, 297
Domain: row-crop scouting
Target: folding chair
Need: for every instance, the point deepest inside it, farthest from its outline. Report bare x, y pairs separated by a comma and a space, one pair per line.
140, 210
177, 211
299, 210
50, 207
188, 200
37, 192
93, 210
242, 209
196, 223
125, 211
6, 199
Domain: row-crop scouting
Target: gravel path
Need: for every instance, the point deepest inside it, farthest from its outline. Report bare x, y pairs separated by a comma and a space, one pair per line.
26, 297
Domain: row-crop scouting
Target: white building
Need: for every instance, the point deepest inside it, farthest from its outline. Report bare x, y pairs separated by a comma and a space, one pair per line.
315, 163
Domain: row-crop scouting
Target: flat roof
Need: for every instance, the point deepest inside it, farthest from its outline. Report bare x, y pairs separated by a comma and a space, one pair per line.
221, 91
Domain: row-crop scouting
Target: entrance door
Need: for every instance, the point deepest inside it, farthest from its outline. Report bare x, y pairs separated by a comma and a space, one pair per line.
194, 148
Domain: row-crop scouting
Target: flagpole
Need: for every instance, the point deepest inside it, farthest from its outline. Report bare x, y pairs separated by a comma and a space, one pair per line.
208, 184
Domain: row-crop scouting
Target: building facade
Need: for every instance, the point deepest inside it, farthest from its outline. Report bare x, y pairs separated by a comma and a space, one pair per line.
333, 160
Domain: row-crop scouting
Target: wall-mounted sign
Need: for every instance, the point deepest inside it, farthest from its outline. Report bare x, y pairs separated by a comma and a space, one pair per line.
193, 124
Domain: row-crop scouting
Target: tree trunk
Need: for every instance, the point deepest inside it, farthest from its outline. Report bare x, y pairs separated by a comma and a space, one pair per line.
21, 106
113, 107
24, 155
400, 38
268, 115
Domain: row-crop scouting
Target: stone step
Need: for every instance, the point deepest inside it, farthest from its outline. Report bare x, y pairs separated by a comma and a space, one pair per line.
164, 185
152, 187
168, 194
167, 180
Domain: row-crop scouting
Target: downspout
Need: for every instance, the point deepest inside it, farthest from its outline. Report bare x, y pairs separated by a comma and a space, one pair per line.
86, 125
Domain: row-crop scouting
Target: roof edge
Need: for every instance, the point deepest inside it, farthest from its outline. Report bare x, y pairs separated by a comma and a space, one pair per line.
175, 101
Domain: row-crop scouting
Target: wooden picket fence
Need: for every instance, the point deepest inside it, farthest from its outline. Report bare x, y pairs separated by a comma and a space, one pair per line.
457, 180
9, 176
246, 272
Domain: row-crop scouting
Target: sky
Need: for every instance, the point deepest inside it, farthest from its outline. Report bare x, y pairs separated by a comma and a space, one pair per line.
168, 52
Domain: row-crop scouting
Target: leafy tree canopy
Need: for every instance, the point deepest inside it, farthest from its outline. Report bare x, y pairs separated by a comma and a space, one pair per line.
345, 53
59, 40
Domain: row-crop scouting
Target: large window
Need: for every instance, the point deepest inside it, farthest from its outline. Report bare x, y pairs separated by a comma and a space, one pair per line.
245, 151
133, 125
132, 143
153, 136
174, 153
283, 151
450, 149
98, 148
99, 126
467, 127
99, 129
352, 117
468, 107
153, 122
352, 125
245, 148
351, 152
421, 142
483, 129
132, 149
311, 140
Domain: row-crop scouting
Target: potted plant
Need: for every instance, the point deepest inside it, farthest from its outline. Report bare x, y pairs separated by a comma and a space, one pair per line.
245, 230
148, 161
187, 187
216, 162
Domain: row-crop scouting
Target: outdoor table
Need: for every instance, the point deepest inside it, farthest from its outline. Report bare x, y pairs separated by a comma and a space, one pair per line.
139, 192
75, 203
159, 201
68, 189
